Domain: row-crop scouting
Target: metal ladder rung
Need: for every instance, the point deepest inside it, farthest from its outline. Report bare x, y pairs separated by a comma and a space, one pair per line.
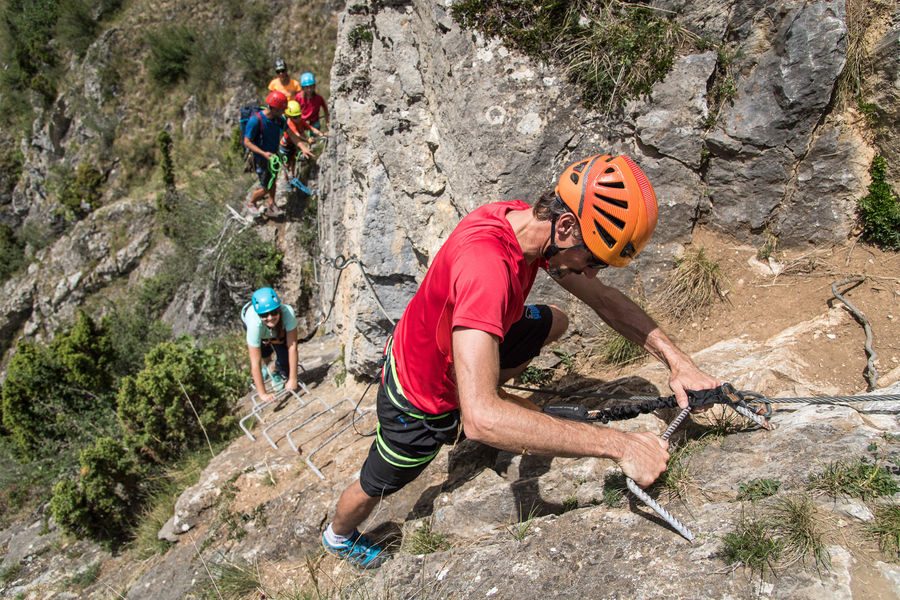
331, 438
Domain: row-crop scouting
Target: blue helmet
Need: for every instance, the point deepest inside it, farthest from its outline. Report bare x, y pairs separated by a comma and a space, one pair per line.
265, 300
307, 79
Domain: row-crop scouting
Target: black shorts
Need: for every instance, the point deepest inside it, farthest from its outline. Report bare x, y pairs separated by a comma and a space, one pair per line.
407, 440
261, 166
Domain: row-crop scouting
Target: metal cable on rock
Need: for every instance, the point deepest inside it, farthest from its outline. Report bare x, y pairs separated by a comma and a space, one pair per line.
871, 371
340, 263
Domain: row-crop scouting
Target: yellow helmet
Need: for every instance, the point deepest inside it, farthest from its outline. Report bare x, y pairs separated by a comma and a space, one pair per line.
615, 205
293, 109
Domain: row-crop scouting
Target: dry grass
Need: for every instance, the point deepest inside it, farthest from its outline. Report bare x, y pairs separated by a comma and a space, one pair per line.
692, 288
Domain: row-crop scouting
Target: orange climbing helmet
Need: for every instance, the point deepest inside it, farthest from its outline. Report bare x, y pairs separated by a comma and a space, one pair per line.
615, 205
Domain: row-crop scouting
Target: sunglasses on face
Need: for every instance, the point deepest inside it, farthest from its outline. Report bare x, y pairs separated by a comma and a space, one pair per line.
593, 262
269, 315
281, 72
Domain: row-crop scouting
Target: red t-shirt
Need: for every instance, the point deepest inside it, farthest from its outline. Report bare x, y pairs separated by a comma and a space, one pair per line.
479, 279
309, 109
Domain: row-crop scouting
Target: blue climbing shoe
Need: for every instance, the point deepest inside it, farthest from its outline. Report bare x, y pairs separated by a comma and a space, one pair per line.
358, 551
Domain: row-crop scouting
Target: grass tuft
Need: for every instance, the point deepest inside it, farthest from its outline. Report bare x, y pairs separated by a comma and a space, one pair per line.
693, 287
232, 581
520, 529
424, 540
757, 489
800, 530
614, 489
752, 545
885, 529
858, 479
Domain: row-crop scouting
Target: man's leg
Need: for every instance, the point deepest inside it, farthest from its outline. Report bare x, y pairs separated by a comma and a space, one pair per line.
539, 326
353, 508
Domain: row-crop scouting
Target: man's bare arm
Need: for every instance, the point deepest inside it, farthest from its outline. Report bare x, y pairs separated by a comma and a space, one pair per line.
630, 320
489, 419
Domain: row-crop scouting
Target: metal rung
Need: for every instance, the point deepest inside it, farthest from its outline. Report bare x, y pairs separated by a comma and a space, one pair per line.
330, 438
310, 420
258, 408
288, 416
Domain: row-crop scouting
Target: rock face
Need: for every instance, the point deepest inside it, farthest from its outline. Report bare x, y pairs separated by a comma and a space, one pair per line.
540, 527
432, 121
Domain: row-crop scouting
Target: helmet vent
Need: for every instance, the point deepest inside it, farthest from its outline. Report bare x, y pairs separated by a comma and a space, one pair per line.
580, 167
609, 170
609, 240
619, 185
614, 201
627, 251
574, 178
614, 220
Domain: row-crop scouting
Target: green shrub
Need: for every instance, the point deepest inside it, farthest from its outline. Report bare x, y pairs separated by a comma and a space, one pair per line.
79, 192
86, 354
164, 142
136, 333
613, 51
12, 253
28, 27
159, 407
11, 162
252, 261
879, 211
171, 49
76, 28
252, 58
101, 503
58, 395
34, 401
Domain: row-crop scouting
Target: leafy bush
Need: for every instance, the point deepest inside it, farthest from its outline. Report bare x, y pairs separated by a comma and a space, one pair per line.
160, 406
28, 28
52, 393
11, 161
12, 253
86, 354
251, 260
76, 27
879, 211
614, 51
101, 503
137, 332
79, 192
171, 49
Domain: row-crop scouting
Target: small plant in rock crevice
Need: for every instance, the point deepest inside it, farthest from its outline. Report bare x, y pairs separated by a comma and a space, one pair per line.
879, 211
520, 529
757, 489
424, 540
752, 544
885, 529
801, 530
857, 479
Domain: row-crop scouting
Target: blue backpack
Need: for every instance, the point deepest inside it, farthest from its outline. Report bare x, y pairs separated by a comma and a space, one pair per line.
247, 111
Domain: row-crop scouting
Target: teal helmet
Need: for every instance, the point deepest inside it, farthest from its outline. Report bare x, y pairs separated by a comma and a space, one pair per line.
265, 300
307, 79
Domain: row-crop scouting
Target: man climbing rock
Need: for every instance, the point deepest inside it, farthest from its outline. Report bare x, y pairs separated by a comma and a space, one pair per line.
271, 329
261, 137
294, 138
466, 330
283, 82
311, 103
